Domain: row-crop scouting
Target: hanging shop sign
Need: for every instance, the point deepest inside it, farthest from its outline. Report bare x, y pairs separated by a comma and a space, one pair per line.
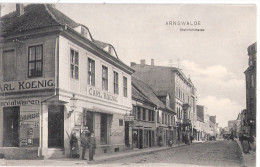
102, 95
129, 118
30, 84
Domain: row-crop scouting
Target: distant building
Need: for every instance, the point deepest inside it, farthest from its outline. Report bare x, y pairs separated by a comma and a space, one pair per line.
250, 75
181, 90
153, 121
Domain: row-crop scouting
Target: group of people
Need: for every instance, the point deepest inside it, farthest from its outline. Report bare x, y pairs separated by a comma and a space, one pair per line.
87, 141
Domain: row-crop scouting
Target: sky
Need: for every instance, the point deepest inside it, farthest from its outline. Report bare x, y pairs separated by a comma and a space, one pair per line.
215, 59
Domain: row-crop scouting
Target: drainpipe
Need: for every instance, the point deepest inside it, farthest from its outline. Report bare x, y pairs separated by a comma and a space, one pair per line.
55, 93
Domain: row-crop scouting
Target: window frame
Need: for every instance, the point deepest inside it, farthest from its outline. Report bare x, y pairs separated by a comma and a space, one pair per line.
35, 61
116, 82
125, 86
74, 64
91, 73
104, 78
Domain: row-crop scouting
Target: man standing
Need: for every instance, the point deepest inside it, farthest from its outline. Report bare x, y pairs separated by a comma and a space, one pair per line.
92, 146
84, 142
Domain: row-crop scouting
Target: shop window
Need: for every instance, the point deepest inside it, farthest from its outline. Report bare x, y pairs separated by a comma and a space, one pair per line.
9, 65
125, 86
115, 82
88, 118
121, 122
74, 64
35, 61
104, 78
91, 72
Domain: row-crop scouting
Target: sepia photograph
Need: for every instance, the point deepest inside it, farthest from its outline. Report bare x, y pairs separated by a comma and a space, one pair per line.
128, 84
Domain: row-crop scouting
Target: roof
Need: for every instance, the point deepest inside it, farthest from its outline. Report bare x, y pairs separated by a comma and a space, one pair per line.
146, 67
252, 49
36, 16
148, 92
161, 93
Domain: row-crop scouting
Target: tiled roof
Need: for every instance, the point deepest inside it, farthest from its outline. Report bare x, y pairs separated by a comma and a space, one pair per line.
36, 16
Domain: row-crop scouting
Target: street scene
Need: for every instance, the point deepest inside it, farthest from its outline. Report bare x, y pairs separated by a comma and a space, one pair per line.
128, 84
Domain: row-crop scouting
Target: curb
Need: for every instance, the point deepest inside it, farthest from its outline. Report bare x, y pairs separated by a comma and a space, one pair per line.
136, 154
242, 153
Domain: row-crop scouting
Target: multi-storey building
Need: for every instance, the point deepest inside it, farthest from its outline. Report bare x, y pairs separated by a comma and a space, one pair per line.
250, 75
56, 79
154, 121
180, 89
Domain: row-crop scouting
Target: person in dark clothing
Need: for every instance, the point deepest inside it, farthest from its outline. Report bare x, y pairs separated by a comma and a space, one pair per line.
74, 146
84, 143
92, 146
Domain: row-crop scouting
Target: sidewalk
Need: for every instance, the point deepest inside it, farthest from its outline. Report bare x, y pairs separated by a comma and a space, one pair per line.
97, 159
248, 160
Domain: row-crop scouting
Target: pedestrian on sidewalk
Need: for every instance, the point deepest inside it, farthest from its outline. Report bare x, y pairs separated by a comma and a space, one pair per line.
191, 138
92, 146
84, 142
74, 146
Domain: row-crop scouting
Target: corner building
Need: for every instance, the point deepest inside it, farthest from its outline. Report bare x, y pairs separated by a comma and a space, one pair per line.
56, 79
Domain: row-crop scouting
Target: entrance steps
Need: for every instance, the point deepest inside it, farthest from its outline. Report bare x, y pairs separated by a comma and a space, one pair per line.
16, 153
55, 153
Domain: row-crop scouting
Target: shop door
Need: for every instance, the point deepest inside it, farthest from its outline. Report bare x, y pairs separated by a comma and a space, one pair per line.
56, 126
127, 134
11, 126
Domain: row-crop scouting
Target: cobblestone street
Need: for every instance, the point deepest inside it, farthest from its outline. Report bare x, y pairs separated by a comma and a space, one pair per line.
217, 153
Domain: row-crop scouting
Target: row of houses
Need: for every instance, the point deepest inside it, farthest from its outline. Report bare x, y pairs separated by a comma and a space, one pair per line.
56, 78
245, 124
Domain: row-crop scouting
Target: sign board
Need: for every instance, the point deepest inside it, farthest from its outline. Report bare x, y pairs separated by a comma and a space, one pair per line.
129, 118
102, 94
30, 84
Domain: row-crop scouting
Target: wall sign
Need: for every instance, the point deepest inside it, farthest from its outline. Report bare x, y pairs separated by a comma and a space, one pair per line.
30, 84
101, 94
19, 102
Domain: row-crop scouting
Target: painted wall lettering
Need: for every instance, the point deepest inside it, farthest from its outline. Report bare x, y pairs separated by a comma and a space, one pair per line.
31, 84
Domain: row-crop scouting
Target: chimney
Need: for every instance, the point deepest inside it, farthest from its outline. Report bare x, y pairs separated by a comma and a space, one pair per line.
152, 62
142, 63
132, 64
19, 9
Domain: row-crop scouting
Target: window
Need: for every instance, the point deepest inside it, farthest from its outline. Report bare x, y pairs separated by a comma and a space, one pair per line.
35, 61
162, 118
121, 122
134, 111
9, 65
91, 72
251, 81
125, 86
169, 122
74, 64
104, 78
152, 115
115, 82
158, 117
144, 114
138, 113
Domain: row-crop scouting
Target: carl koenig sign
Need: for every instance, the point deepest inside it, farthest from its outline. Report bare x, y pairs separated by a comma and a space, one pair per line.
30, 84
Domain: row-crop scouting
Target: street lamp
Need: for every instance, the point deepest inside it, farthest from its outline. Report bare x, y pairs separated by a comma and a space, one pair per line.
73, 102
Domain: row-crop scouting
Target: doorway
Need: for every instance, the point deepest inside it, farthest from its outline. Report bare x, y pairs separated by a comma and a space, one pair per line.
11, 126
56, 126
127, 134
